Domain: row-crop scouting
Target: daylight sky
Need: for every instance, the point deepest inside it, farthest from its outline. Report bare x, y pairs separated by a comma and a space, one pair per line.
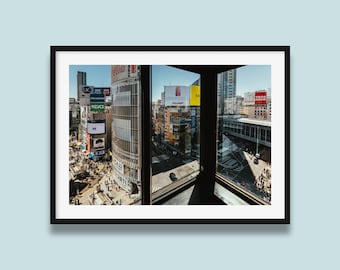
249, 78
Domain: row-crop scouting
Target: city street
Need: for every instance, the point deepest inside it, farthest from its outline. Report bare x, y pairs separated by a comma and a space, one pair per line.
238, 165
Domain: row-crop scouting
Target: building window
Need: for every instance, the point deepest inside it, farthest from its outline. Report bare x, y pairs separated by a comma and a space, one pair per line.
243, 154
172, 129
175, 135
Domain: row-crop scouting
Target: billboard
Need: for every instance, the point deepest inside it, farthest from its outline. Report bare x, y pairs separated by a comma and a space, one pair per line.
176, 95
195, 95
97, 98
97, 107
97, 103
260, 98
95, 127
101, 91
98, 142
123, 72
85, 92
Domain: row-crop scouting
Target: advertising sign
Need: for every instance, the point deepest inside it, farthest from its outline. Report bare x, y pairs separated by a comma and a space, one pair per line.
260, 98
123, 72
97, 98
195, 95
97, 107
106, 91
97, 103
98, 142
249, 98
118, 73
85, 92
101, 91
176, 95
95, 127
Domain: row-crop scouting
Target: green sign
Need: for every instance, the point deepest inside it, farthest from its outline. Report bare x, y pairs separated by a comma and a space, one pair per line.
97, 107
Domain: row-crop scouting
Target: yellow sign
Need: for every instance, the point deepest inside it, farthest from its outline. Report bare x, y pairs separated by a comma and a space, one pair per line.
195, 95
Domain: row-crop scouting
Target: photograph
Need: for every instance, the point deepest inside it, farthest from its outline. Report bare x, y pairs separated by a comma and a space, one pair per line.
164, 135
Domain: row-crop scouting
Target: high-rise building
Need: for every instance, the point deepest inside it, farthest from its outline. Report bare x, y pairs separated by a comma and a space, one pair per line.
226, 88
81, 81
232, 105
126, 127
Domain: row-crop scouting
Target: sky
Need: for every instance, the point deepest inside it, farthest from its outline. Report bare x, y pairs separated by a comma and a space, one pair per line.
96, 75
249, 78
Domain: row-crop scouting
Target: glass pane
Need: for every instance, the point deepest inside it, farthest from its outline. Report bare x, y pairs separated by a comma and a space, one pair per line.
175, 127
244, 130
105, 135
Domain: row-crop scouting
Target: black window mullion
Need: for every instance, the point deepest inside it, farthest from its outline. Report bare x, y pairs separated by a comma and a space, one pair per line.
146, 134
208, 135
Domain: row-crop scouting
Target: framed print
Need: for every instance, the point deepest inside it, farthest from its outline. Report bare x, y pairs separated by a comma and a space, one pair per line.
179, 134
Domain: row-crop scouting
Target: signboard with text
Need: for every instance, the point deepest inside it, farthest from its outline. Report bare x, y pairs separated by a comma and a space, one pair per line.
176, 95
97, 107
123, 72
97, 103
98, 142
95, 127
195, 95
260, 98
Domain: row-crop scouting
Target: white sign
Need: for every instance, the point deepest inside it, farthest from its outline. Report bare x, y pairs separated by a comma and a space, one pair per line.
98, 142
96, 128
177, 95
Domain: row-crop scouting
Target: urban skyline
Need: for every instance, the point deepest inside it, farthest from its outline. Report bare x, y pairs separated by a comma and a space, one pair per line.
249, 78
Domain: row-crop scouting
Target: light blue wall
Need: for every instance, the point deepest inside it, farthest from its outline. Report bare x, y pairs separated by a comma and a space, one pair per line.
28, 28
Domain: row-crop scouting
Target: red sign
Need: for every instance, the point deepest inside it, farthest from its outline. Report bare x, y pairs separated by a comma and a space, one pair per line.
178, 91
260, 98
106, 91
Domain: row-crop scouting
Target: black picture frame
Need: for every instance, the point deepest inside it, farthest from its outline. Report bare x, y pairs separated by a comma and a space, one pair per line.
200, 61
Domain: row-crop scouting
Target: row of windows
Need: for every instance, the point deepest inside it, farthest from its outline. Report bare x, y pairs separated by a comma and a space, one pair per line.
249, 131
